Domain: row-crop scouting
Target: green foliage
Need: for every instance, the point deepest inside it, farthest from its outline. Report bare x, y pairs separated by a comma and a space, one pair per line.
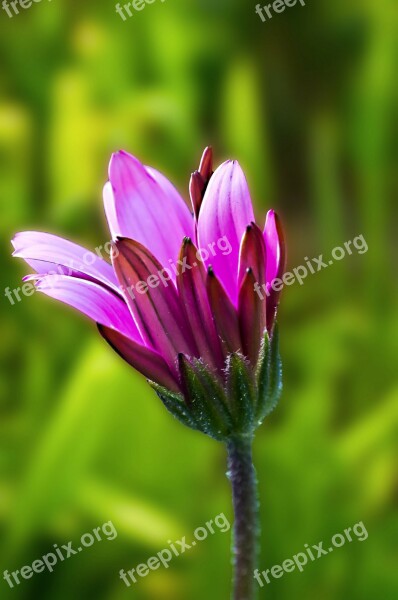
236, 405
269, 375
241, 392
175, 404
205, 398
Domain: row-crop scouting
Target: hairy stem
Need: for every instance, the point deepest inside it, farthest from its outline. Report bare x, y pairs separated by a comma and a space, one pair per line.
246, 527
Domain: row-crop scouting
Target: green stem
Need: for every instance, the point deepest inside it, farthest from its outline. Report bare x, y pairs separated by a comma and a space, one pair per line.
246, 527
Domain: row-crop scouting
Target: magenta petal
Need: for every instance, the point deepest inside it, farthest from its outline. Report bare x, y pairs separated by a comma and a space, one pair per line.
200, 179
206, 164
45, 252
252, 306
226, 211
272, 241
252, 255
146, 361
110, 210
196, 190
153, 301
141, 204
252, 317
276, 260
224, 313
175, 199
191, 284
94, 301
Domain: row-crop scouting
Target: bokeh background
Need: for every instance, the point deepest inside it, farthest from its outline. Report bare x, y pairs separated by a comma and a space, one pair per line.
307, 103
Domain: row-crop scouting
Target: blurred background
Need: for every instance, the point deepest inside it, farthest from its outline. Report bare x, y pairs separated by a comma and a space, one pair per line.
307, 103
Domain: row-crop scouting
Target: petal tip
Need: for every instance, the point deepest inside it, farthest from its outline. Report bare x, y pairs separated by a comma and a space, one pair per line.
206, 163
14, 242
118, 161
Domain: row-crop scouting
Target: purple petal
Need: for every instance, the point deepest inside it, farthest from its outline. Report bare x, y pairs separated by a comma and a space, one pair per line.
191, 284
224, 313
272, 237
206, 164
252, 317
45, 252
252, 254
153, 301
146, 361
200, 179
110, 210
226, 211
94, 301
276, 260
141, 204
196, 191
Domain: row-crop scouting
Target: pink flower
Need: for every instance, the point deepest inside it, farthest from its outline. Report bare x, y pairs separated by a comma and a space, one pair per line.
156, 316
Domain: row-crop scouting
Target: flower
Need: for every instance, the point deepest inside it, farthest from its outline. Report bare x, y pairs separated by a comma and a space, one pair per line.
194, 325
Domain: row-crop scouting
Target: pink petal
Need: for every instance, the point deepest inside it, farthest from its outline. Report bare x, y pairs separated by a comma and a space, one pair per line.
146, 361
252, 317
206, 164
276, 260
252, 254
200, 179
191, 284
45, 252
224, 314
271, 238
226, 211
94, 301
196, 191
153, 301
141, 204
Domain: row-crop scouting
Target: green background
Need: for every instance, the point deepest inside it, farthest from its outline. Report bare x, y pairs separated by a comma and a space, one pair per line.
307, 102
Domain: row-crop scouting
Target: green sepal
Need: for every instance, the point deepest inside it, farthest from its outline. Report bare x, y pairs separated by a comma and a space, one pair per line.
268, 375
175, 404
205, 398
241, 392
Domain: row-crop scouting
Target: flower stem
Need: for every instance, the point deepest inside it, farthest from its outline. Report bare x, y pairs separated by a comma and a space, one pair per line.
242, 474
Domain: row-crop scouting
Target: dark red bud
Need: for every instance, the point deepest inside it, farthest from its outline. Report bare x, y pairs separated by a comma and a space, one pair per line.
196, 191
206, 164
